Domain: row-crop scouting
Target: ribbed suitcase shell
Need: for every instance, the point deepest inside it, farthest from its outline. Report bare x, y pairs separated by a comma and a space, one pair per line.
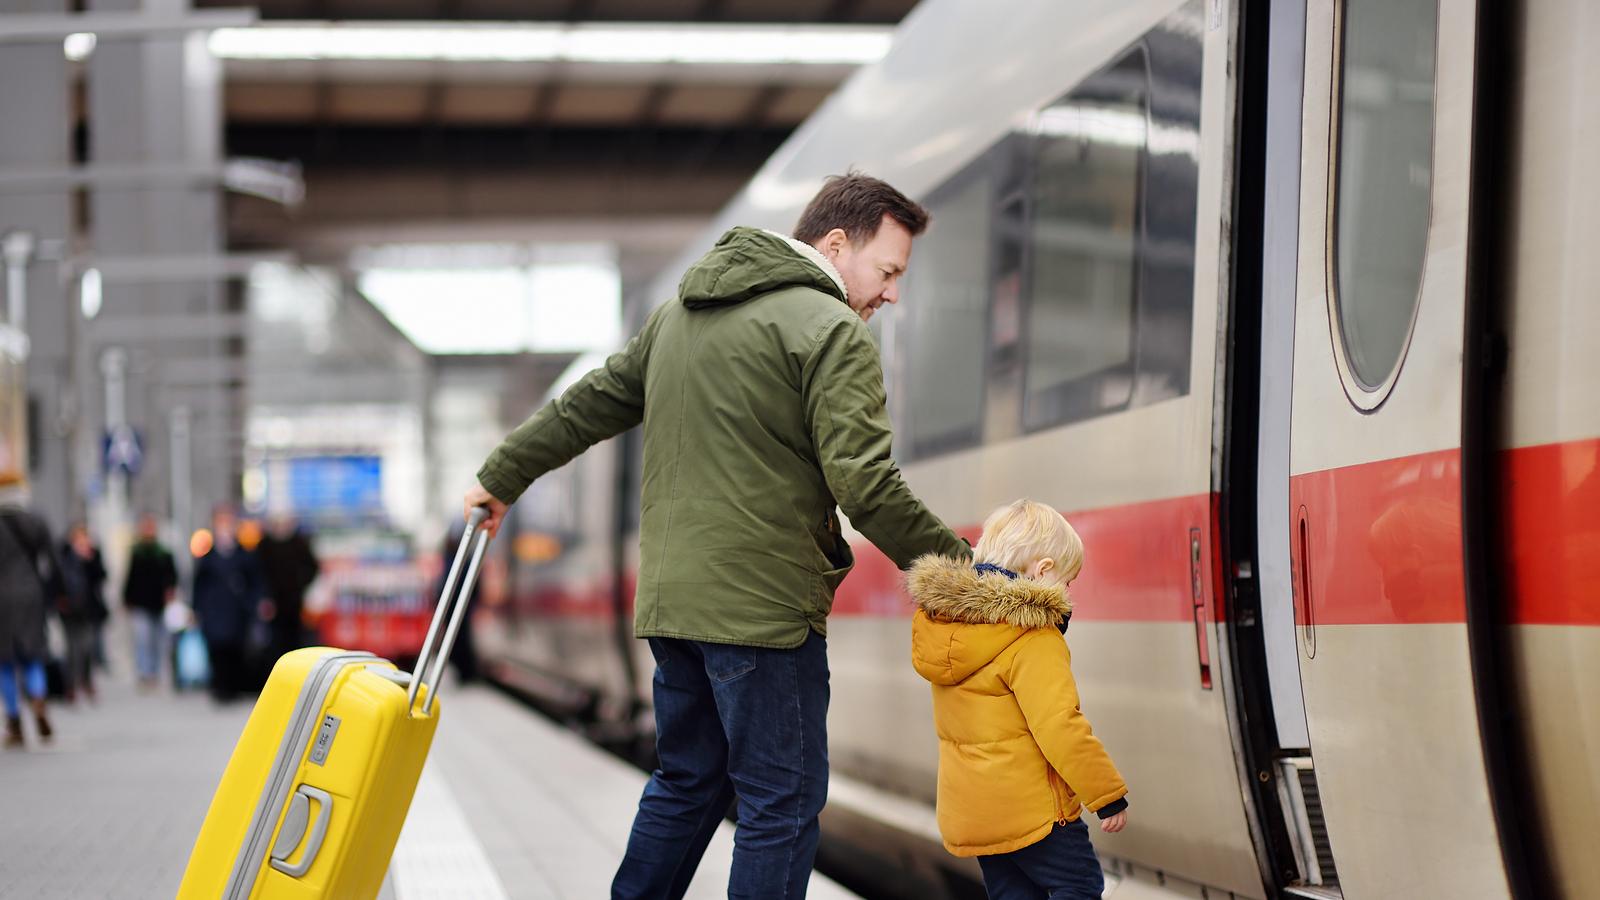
329, 722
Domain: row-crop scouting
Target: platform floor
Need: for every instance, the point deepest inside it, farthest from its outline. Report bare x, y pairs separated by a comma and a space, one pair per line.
510, 805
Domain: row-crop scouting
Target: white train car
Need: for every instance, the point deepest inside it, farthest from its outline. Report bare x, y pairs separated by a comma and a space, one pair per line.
1291, 308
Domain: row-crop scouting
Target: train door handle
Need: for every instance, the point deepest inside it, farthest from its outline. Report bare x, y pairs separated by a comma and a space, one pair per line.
1199, 607
1305, 609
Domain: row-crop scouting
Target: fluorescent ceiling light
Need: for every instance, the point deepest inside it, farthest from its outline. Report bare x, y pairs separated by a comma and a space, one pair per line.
582, 42
497, 298
90, 293
79, 45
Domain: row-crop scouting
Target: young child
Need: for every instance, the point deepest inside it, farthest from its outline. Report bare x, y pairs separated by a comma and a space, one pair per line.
1018, 761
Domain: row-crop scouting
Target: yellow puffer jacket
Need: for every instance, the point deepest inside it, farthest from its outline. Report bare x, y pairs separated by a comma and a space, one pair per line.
1016, 755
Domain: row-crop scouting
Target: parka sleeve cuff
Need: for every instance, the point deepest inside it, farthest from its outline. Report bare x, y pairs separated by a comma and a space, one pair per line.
502, 488
1112, 808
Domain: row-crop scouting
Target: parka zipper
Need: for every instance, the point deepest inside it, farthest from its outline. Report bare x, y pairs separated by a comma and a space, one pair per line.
1055, 795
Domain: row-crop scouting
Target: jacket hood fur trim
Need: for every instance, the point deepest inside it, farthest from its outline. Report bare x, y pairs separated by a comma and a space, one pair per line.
953, 591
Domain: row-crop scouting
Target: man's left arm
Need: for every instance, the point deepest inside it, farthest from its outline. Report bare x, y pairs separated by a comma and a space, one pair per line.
845, 410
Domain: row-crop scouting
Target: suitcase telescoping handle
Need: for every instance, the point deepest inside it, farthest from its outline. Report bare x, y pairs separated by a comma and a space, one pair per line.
453, 604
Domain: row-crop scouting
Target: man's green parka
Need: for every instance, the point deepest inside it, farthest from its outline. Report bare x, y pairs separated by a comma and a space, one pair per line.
761, 394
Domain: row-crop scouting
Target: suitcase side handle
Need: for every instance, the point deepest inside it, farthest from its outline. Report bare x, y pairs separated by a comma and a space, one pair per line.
294, 829
452, 604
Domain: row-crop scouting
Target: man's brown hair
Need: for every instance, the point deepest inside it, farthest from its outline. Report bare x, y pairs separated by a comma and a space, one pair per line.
857, 203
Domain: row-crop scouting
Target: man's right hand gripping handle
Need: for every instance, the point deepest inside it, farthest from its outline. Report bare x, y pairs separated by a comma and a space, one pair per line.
478, 496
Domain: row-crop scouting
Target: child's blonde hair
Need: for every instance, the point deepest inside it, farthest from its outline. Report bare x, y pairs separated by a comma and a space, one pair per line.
1020, 534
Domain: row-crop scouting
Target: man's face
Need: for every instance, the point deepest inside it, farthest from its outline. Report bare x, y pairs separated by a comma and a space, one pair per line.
871, 271
147, 528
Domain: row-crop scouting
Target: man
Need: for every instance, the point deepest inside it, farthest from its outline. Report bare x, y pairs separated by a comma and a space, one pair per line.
761, 394
30, 584
83, 607
229, 592
152, 584
290, 566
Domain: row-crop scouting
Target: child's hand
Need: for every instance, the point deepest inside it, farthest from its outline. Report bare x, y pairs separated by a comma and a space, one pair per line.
1115, 823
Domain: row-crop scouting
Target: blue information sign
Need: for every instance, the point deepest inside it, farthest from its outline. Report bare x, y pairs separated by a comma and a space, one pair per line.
122, 449
347, 485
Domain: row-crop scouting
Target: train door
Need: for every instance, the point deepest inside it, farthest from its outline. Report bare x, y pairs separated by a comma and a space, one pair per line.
1543, 535
1393, 786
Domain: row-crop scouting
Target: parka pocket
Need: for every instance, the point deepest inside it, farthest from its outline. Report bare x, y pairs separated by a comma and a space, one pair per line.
837, 557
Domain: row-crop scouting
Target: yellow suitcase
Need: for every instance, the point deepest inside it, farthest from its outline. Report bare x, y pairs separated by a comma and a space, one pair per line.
318, 786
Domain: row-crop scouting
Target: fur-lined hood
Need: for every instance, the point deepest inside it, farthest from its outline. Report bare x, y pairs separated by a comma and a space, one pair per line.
954, 591
967, 618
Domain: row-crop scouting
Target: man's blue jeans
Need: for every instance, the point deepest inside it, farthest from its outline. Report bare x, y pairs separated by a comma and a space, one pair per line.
732, 722
149, 644
1062, 866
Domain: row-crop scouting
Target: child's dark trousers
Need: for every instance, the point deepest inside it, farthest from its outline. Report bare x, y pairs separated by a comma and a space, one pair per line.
1063, 866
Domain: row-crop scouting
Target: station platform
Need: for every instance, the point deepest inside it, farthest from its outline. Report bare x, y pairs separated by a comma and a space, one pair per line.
510, 805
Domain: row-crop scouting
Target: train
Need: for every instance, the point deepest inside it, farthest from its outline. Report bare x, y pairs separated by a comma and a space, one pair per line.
1289, 306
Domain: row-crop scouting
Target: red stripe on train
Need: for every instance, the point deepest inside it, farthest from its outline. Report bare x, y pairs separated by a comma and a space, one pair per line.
1384, 539
1551, 500
1136, 565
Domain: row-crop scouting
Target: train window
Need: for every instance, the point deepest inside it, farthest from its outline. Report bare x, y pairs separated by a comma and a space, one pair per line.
1057, 281
1083, 246
1383, 179
948, 303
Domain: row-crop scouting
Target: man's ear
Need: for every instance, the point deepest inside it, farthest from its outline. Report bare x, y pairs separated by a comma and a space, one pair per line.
833, 243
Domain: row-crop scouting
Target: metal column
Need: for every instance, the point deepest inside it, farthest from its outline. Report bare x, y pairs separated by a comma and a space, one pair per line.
35, 132
155, 101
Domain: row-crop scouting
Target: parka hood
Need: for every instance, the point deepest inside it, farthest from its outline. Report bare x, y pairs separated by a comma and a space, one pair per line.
749, 262
967, 618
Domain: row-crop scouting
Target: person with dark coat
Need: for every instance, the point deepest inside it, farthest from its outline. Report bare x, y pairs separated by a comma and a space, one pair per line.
30, 583
83, 607
228, 594
152, 584
290, 566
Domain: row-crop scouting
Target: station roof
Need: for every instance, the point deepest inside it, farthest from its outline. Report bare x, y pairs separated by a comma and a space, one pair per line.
492, 119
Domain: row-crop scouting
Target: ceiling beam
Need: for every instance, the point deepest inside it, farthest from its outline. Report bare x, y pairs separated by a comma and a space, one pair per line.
511, 149
576, 10
144, 329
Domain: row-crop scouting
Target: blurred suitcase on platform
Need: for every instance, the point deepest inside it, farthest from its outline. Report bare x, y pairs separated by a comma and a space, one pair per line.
313, 799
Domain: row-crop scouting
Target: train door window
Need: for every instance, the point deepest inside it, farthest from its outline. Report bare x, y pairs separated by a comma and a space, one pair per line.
1383, 182
1083, 246
948, 294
